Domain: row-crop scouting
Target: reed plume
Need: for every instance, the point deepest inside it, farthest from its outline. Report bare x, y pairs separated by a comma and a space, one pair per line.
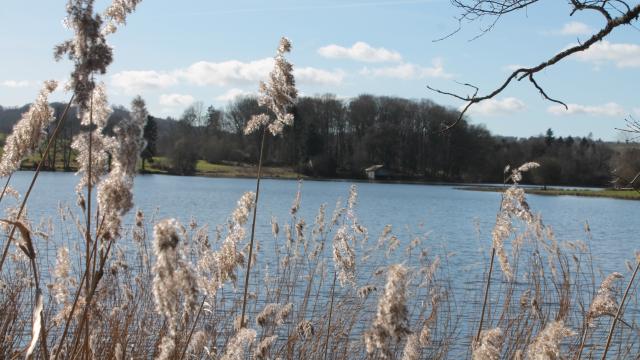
412, 348
235, 349
605, 302
262, 350
513, 206
60, 288
305, 329
391, 321
115, 195
277, 94
214, 268
198, 342
344, 257
27, 132
117, 13
489, 346
92, 146
88, 50
173, 280
546, 345
267, 314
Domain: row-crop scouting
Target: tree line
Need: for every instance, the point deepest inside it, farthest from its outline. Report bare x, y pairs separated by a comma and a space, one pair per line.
339, 138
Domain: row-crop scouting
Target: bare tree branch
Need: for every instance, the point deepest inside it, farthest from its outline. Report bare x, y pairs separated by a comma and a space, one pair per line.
587, 5
449, 34
480, 8
544, 95
633, 126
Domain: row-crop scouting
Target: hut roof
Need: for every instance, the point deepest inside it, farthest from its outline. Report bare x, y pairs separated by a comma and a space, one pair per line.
373, 168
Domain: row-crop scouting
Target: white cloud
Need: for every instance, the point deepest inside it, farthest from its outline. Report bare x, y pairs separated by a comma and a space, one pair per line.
232, 94
609, 109
238, 73
636, 111
621, 54
575, 28
176, 100
226, 72
16, 83
360, 51
409, 71
504, 106
135, 81
204, 73
310, 75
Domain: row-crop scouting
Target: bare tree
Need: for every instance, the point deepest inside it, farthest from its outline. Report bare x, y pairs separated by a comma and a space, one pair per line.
615, 13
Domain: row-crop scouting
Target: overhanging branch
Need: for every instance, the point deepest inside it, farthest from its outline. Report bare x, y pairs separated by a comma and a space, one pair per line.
522, 73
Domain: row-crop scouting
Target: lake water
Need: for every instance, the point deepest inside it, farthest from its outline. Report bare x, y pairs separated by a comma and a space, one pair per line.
455, 220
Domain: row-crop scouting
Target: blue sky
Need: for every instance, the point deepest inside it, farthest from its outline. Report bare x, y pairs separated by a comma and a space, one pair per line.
174, 53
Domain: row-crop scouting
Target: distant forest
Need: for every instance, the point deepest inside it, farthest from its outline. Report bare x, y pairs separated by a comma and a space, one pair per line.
337, 138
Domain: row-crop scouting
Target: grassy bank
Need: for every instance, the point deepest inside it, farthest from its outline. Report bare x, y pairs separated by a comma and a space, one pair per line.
160, 165
606, 193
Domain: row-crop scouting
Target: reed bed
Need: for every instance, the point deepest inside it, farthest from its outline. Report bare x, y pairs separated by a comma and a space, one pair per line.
322, 288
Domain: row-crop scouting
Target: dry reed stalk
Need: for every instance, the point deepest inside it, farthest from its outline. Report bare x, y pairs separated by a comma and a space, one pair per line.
97, 276
4, 188
253, 230
512, 204
70, 316
278, 95
619, 311
486, 295
193, 327
603, 304
87, 231
39, 324
326, 341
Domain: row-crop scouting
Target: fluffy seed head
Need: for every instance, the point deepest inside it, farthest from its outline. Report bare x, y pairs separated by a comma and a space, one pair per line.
27, 132
546, 346
173, 281
88, 49
605, 302
392, 317
278, 94
115, 193
235, 349
344, 258
412, 348
117, 13
489, 345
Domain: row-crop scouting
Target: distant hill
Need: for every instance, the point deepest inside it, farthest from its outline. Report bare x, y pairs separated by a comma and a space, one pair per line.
9, 116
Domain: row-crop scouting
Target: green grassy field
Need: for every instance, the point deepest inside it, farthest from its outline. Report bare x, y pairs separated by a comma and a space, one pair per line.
204, 168
160, 165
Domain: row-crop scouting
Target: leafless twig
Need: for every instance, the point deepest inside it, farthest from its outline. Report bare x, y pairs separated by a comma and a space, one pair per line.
475, 9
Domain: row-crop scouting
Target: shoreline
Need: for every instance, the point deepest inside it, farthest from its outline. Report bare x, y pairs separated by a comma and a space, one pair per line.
284, 173
627, 194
